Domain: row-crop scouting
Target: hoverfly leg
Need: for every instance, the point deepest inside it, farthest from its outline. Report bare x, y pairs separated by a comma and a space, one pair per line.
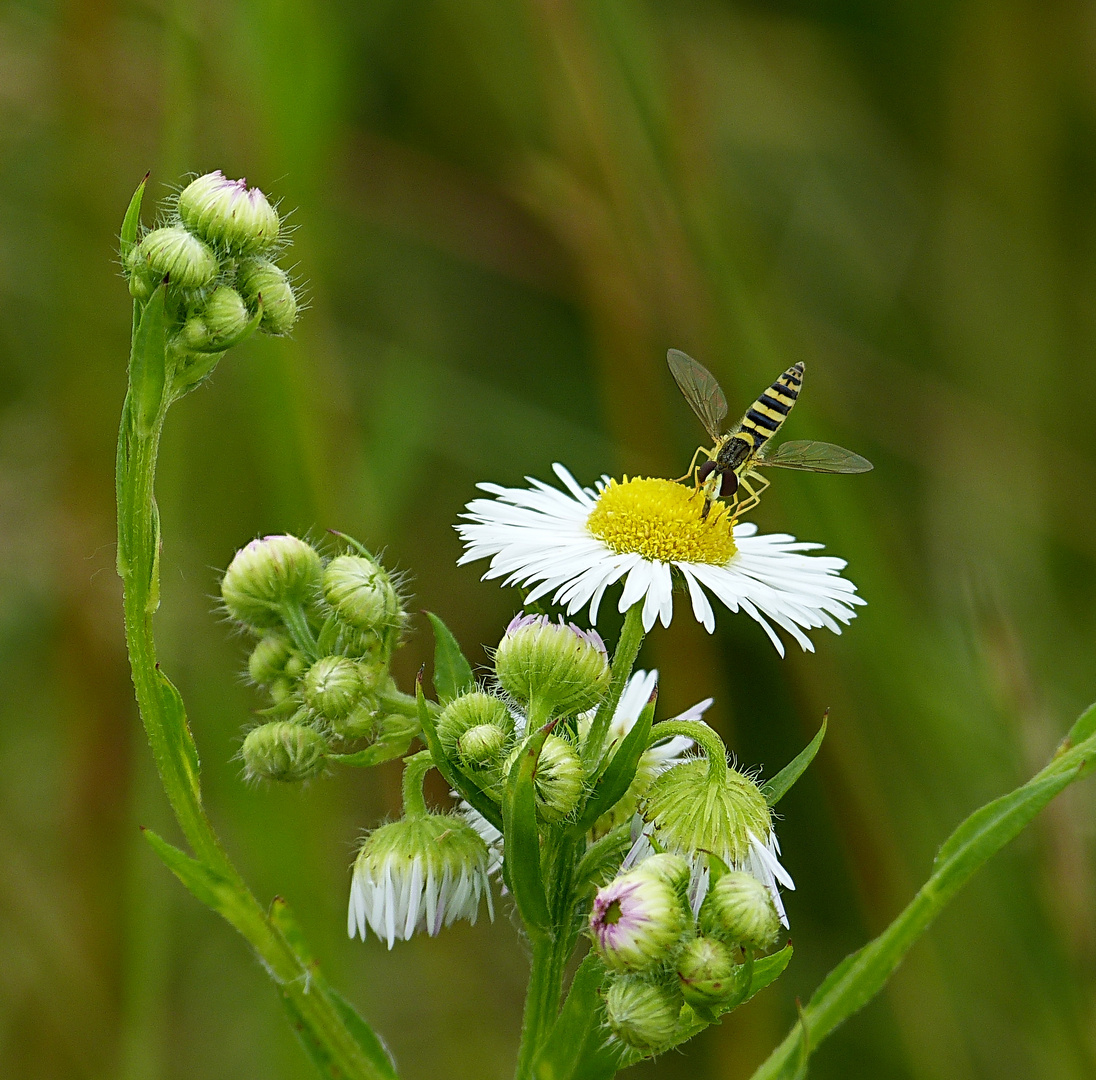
754, 494
690, 472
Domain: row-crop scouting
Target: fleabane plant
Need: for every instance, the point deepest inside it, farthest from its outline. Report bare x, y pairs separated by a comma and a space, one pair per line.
634, 840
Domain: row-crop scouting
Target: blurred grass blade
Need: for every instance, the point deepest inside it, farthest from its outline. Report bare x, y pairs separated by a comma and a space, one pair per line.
522, 837
776, 788
859, 977
452, 672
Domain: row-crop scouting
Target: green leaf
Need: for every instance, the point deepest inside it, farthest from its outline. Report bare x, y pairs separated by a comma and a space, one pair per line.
204, 884
366, 1038
148, 364
380, 751
132, 221
177, 730
522, 837
618, 775
578, 1039
452, 672
472, 793
776, 788
1084, 728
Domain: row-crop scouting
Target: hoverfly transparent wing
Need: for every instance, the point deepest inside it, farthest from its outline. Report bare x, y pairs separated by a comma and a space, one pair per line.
811, 456
701, 391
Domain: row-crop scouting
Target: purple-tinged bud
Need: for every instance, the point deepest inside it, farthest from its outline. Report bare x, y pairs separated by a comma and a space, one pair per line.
229, 214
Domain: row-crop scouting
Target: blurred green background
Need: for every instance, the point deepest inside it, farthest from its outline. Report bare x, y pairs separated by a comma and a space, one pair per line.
507, 211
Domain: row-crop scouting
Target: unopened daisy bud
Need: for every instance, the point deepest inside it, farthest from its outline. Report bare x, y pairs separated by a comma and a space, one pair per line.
361, 592
643, 1015
223, 316
558, 780
268, 659
482, 746
174, 253
706, 973
564, 669
638, 921
283, 693
362, 722
266, 575
228, 214
261, 277
740, 909
468, 711
332, 686
419, 873
283, 750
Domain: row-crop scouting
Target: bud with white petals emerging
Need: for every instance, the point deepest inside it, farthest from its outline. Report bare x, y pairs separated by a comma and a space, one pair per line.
229, 214
268, 574
261, 278
283, 750
739, 909
557, 666
643, 1015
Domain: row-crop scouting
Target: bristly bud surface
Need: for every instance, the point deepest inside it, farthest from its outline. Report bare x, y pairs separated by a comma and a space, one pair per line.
228, 214
269, 657
221, 318
740, 909
174, 253
261, 278
564, 669
332, 686
266, 575
283, 750
361, 593
706, 973
558, 780
643, 1015
473, 709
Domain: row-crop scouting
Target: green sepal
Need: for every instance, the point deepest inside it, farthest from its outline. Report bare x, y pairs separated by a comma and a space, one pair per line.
618, 775
132, 221
148, 364
522, 837
366, 1038
189, 377
776, 788
578, 1040
452, 672
472, 793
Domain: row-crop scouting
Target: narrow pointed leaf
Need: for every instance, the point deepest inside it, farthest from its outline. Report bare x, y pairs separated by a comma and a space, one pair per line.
474, 795
618, 775
204, 884
1083, 728
132, 221
452, 672
522, 837
776, 788
148, 364
577, 1039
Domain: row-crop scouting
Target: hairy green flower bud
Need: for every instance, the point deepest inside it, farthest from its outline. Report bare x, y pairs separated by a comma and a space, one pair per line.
332, 686
706, 972
361, 593
639, 919
643, 1015
268, 659
268, 574
261, 277
283, 750
173, 253
558, 780
228, 214
223, 316
562, 667
469, 711
482, 746
362, 722
283, 693
740, 909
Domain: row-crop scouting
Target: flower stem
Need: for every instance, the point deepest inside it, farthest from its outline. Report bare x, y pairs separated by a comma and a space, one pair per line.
707, 739
415, 769
624, 658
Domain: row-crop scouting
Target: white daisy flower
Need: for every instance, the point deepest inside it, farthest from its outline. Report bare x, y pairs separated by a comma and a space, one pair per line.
574, 544
419, 873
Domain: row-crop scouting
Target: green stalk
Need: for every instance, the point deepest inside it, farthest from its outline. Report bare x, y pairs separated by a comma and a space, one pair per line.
624, 658
322, 1020
858, 978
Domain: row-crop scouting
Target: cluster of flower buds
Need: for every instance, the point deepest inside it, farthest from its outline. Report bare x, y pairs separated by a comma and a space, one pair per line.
326, 632
216, 252
679, 928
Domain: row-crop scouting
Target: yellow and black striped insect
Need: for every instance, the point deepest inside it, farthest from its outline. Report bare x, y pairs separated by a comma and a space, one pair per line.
732, 463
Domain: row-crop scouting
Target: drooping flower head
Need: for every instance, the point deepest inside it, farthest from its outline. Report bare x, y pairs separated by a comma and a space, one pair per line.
575, 544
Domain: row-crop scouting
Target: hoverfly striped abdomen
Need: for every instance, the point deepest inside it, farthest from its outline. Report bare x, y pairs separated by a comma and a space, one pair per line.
763, 418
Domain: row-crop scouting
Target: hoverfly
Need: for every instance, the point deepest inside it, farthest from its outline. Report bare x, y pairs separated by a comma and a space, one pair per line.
733, 461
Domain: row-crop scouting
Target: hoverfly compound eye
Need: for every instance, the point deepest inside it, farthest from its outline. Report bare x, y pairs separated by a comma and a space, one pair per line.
730, 483
705, 471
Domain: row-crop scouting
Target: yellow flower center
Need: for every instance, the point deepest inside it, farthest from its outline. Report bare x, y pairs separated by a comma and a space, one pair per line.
661, 520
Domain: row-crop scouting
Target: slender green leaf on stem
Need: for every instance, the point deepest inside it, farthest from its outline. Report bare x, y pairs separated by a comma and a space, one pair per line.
618, 775
1083, 728
380, 751
472, 794
132, 221
624, 658
776, 788
148, 364
285, 921
605, 853
578, 1036
452, 672
175, 716
522, 837
205, 884
859, 977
